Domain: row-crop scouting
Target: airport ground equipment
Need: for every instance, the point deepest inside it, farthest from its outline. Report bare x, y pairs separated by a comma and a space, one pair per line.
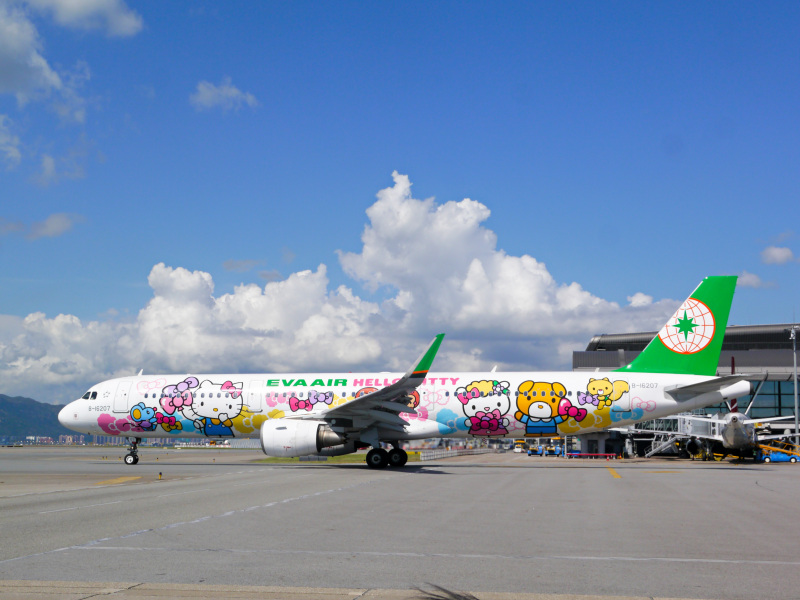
778, 451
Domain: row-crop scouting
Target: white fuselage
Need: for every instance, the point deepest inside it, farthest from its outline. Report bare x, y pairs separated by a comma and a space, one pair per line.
476, 405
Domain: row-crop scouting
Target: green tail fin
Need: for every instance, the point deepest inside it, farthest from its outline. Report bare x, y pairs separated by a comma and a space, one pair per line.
691, 340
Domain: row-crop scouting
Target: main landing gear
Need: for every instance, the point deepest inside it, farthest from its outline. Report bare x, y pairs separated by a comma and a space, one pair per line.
378, 458
133, 451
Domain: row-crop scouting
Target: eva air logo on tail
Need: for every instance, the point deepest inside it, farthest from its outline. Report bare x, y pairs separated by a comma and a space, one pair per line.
690, 329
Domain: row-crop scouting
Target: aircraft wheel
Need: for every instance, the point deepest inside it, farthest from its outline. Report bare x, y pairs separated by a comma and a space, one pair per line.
131, 459
767, 459
398, 457
377, 458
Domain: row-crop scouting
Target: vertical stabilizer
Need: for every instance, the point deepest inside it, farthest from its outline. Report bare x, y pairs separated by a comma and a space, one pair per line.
691, 340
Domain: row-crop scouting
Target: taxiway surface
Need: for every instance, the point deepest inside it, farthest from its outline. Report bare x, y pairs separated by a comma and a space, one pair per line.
493, 523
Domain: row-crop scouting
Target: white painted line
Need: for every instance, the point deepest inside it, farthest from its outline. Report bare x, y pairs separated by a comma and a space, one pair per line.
46, 512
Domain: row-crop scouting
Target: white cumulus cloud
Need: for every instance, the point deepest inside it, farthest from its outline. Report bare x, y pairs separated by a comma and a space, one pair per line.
113, 17
439, 263
53, 226
225, 96
751, 280
9, 145
23, 69
776, 255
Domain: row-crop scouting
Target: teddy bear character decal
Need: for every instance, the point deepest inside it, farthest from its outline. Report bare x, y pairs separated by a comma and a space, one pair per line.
543, 406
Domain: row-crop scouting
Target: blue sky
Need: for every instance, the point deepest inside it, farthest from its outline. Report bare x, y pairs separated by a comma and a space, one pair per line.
628, 149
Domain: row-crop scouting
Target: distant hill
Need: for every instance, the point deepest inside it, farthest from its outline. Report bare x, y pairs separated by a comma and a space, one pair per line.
21, 417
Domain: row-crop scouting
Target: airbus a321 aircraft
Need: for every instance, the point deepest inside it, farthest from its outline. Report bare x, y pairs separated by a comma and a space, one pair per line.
329, 414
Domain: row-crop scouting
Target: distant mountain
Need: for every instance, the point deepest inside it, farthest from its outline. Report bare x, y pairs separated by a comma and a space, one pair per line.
21, 417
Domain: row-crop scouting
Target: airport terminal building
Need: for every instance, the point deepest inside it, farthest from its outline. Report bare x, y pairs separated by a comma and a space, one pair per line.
763, 351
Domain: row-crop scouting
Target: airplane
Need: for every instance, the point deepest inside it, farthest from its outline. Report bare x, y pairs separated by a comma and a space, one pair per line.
727, 433
329, 414
719, 434
734, 431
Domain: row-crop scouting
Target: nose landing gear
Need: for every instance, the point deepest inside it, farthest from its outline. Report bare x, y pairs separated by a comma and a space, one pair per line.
133, 451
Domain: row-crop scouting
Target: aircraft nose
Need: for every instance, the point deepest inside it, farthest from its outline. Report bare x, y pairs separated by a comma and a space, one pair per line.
67, 414
62, 415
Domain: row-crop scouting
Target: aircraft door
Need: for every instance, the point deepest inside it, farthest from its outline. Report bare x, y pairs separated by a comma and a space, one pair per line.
623, 403
121, 397
255, 396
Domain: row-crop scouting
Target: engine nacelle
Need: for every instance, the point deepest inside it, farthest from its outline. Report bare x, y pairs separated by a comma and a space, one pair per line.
693, 446
290, 437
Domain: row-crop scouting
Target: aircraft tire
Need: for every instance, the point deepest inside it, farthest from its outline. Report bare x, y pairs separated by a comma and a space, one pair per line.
377, 458
131, 459
398, 457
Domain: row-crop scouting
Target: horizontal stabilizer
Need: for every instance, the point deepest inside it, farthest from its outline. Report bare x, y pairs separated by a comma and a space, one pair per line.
682, 392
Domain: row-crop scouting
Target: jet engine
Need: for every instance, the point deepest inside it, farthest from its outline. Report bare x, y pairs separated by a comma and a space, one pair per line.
693, 446
289, 437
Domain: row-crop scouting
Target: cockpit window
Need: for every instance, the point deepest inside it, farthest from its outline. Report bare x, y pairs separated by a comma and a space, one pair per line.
86, 396
94, 395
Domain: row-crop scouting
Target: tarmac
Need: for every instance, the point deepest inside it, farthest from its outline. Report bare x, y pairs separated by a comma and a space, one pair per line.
78, 523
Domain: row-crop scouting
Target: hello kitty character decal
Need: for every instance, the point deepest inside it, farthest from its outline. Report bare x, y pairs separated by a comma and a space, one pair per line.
485, 404
214, 407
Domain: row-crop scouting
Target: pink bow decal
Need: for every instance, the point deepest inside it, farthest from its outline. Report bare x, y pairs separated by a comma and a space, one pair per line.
177, 396
466, 397
296, 404
587, 399
164, 420
647, 405
565, 409
232, 389
486, 420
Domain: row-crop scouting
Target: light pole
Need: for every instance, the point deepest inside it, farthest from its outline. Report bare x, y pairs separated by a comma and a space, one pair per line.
793, 337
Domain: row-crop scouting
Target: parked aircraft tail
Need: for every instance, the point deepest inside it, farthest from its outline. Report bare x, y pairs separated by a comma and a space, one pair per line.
691, 340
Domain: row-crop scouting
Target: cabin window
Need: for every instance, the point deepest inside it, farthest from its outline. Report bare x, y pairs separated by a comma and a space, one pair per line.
227, 395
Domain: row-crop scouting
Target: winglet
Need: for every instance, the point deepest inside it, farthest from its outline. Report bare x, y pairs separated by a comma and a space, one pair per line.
424, 362
397, 391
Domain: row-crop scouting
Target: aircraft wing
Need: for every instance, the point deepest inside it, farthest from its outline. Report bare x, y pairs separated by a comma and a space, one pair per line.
383, 406
682, 392
769, 419
774, 436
